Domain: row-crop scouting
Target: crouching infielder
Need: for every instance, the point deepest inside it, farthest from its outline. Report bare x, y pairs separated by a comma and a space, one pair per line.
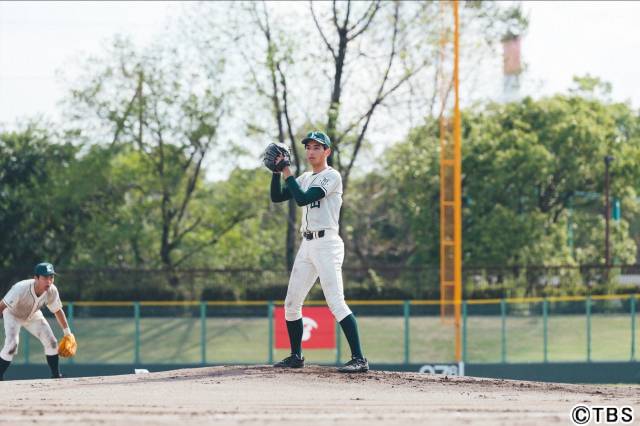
20, 307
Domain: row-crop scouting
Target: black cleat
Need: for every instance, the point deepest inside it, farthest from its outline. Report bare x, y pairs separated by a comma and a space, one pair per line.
56, 376
356, 365
293, 361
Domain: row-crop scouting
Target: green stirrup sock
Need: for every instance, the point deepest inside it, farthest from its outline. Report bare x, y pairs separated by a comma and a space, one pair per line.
52, 360
350, 328
294, 328
4, 364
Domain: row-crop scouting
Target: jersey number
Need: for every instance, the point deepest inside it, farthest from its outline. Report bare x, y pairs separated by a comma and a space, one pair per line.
315, 204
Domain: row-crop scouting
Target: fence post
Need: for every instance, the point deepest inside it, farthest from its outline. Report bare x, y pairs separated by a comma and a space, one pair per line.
203, 332
503, 345
633, 326
545, 328
407, 311
588, 308
464, 331
338, 344
136, 316
270, 315
70, 321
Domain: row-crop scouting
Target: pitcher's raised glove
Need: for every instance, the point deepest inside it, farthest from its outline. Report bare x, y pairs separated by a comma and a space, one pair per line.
68, 346
272, 154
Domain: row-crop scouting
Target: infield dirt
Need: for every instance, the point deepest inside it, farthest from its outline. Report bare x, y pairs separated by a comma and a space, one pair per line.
248, 395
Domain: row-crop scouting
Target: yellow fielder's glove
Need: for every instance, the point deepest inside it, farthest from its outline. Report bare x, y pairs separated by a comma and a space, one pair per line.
68, 346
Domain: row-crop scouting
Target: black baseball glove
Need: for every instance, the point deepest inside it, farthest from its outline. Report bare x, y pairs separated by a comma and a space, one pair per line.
271, 154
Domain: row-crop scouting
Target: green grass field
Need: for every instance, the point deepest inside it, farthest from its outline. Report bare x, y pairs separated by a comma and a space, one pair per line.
245, 340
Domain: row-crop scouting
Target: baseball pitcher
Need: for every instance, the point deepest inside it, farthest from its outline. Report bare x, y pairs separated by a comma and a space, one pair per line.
321, 252
20, 307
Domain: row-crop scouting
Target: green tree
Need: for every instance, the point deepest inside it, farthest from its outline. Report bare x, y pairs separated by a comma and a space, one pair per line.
534, 157
524, 166
164, 117
51, 194
351, 67
256, 244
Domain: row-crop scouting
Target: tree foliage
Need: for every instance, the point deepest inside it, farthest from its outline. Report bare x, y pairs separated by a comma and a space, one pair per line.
49, 196
164, 117
526, 169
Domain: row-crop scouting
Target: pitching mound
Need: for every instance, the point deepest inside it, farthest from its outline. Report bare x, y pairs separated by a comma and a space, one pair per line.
237, 395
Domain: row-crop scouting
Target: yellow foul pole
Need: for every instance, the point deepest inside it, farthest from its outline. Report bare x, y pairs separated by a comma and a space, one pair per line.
457, 142
451, 191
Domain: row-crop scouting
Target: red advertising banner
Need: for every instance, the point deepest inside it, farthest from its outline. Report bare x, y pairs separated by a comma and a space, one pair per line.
319, 328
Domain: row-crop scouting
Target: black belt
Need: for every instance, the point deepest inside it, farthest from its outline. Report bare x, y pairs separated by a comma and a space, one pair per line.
312, 235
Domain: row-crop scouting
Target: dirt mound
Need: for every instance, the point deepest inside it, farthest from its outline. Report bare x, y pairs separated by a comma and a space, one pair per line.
315, 395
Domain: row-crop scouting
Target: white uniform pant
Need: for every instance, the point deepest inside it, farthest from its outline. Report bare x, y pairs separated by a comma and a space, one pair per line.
320, 257
36, 325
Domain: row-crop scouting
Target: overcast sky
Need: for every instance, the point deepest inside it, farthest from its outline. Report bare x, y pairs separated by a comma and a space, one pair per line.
575, 38
38, 38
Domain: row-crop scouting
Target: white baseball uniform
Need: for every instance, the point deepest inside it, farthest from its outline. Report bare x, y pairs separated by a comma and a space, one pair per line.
23, 310
322, 256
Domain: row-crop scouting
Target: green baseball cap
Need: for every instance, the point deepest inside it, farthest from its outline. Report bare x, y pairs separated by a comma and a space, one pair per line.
44, 268
319, 137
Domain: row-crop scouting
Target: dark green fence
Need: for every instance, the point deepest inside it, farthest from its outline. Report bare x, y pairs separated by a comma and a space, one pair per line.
561, 329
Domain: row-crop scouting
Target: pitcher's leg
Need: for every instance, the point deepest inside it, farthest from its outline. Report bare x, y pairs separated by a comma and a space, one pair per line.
303, 276
350, 329
328, 259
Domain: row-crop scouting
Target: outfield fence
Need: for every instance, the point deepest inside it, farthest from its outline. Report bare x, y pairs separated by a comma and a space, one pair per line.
554, 329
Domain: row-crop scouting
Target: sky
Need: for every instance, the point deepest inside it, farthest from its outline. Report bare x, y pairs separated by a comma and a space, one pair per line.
576, 38
39, 39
